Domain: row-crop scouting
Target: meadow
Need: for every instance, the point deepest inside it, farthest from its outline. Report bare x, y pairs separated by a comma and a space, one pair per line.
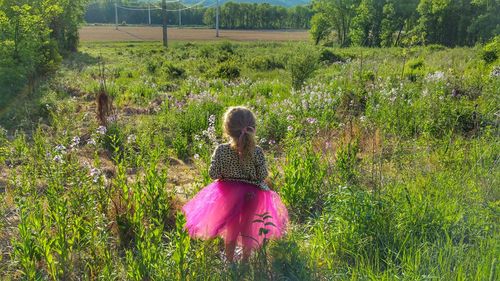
387, 160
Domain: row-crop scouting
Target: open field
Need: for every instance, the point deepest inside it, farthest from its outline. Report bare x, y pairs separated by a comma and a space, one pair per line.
387, 160
130, 33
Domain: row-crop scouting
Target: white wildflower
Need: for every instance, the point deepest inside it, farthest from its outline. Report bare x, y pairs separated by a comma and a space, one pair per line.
101, 130
131, 138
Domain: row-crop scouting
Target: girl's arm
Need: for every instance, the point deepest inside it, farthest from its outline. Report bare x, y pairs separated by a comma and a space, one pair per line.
215, 171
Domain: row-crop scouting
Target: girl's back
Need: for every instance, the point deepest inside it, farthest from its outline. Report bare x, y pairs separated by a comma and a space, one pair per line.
228, 165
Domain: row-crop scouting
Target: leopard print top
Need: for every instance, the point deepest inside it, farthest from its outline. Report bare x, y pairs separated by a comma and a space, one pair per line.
227, 165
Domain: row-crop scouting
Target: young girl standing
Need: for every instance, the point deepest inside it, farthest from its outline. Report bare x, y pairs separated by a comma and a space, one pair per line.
234, 205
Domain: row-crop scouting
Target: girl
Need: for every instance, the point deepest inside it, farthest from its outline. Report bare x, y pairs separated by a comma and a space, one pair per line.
238, 205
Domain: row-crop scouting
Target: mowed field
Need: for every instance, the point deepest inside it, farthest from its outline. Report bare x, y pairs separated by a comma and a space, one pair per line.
147, 33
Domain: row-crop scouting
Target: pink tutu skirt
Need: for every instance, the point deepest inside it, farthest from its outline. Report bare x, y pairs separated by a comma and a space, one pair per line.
236, 211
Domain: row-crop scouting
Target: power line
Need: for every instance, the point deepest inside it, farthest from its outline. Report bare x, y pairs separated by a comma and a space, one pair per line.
154, 7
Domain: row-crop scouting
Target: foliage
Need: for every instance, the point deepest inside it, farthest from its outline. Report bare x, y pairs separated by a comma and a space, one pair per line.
228, 70
233, 15
301, 67
33, 34
384, 177
303, 178
491, 52
395, 23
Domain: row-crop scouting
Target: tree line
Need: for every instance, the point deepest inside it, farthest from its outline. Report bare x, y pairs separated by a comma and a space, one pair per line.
232, 15
389, 23
33, 36
260, 16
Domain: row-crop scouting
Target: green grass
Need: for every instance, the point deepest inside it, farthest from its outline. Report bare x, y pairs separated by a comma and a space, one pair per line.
387, 161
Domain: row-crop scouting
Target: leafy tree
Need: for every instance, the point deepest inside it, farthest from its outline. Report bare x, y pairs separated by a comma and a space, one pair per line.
367, 23
32, 35
320, 27
338, 16
486, 23
399, 17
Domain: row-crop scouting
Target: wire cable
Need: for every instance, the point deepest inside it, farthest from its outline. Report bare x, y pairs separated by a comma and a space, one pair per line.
153, 7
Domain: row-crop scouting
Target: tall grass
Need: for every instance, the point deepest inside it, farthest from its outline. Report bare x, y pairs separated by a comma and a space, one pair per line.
386, 176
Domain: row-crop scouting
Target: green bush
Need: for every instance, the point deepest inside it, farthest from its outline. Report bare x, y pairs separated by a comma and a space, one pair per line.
227, 70
302, 67
265, 63
173, 71
491, 51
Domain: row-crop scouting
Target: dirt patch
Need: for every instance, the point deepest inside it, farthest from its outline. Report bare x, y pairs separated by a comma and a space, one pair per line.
146, 33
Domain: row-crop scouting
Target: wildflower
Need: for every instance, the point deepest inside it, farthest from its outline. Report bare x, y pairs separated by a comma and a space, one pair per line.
60, 148
305, 104
211, 119
328, 144
272, 142
196, 156
263, 140
290, 118
290, 128
91, 142
311, 120
436, 76
362, 119
495, 72
210, 131
112, 118
131, 138
75, 142
58, 159
102, 130
95, 174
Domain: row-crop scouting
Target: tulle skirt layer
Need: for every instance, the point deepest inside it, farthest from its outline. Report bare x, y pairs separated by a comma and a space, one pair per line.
236, 211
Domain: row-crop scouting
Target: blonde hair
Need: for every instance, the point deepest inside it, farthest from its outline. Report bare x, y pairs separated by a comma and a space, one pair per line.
239, 126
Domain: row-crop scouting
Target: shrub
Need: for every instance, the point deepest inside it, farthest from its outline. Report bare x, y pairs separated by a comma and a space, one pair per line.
302, 68
173, 71
206, 52
491, 51
226, 47
414, 69
228, 70
266, 63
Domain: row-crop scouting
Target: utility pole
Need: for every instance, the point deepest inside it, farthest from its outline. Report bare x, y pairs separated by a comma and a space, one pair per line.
180, 17
217, 20
164, 13
116, 16
149, 13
